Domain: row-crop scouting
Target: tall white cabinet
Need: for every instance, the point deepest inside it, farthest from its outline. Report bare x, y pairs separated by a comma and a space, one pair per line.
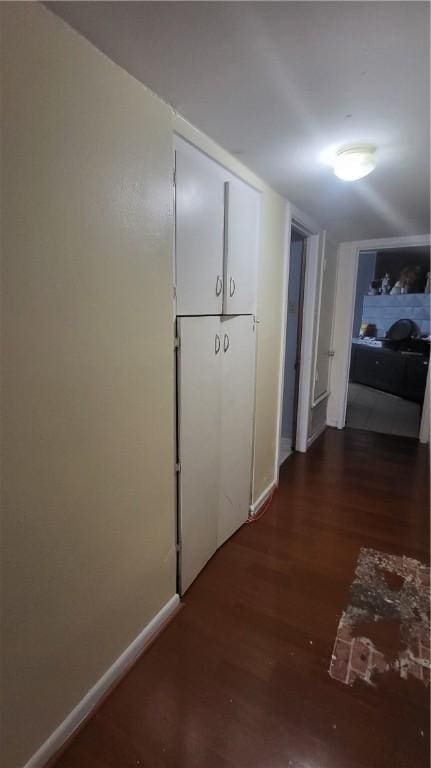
216, 255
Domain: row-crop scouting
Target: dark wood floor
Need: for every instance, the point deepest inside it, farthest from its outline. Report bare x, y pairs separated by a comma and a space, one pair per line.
240, 677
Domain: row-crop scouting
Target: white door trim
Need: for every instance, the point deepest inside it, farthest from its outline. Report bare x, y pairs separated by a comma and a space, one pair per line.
309, 229
348, 257
325, 243
424, 431
285, 283
308, 342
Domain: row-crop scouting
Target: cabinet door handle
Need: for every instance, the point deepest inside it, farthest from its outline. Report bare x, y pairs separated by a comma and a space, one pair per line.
226, 343
217, 344
232, 287
219, 285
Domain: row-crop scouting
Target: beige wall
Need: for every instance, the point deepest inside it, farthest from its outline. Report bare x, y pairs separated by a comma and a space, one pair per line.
88, 368
88, 386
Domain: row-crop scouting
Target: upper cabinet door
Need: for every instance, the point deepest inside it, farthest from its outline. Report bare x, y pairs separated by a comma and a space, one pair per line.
242, 208
199, 234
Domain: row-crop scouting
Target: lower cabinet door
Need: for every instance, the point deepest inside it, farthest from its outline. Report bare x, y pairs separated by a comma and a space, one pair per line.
199, 433
415, 377
237, 408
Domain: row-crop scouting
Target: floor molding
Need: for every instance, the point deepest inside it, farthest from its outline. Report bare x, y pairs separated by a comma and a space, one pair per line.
254, 508
111, 677
315, 435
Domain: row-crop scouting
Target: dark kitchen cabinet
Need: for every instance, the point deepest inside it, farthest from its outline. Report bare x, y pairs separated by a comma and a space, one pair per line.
415, 377
379, 368
400, 373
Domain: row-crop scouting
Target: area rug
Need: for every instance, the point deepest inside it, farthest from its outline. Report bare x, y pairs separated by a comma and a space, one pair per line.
386, 625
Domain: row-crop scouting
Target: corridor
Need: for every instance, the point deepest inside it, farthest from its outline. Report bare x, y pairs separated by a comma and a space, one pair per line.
240, 677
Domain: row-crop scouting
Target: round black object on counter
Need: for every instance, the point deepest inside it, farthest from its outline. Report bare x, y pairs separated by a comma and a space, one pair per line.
401, 330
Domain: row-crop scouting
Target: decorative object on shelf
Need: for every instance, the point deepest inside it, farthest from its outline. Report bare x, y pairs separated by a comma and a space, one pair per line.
370, 330
375, 288
386, 284
410, 279
396, 289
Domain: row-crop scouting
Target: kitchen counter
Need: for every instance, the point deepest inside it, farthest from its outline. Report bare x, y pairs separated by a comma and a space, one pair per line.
401, 372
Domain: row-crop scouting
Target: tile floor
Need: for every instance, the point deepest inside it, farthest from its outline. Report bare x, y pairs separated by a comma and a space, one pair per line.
377, 411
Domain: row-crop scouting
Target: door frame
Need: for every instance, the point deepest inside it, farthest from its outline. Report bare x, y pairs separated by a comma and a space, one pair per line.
298, 342
348, 258
314, 239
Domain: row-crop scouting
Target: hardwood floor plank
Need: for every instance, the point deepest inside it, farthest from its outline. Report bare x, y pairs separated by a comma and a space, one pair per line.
240, 676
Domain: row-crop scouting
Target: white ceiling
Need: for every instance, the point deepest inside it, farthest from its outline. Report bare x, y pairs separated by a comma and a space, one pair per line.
277, 83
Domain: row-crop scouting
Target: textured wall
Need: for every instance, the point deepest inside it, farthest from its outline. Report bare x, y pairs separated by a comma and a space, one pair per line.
88, 379
383, 311
88, 390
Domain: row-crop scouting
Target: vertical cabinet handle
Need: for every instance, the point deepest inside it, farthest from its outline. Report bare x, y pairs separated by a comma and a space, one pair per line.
226, 343
232, 287
217, 344
219, 285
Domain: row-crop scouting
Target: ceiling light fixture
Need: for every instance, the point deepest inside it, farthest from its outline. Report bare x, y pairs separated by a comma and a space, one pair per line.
354, 163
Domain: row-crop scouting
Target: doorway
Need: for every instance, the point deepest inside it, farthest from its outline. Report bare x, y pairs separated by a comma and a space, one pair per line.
390, 341
295, 302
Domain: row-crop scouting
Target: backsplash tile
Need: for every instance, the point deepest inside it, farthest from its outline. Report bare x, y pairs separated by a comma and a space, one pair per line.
383, 311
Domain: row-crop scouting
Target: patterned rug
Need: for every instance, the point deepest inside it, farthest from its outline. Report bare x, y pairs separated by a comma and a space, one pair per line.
387, 623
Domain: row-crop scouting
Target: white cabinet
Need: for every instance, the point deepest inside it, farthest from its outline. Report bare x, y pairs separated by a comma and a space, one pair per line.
216, 365
199, 407
199, 234
216, 255
241, 249
236, 438
216, 237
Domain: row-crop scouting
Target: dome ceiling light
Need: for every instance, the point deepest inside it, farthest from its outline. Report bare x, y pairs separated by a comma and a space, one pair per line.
354, 163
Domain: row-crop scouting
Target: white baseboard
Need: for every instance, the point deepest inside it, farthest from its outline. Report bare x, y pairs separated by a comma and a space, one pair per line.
260, 501
112, 675
315, 435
